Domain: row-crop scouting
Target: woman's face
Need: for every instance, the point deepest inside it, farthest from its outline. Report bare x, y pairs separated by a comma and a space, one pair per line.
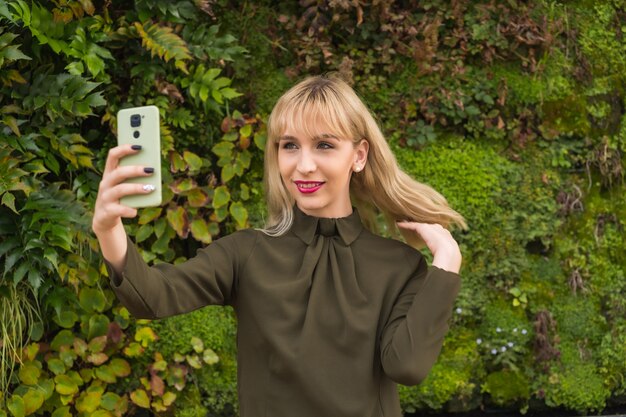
317, 170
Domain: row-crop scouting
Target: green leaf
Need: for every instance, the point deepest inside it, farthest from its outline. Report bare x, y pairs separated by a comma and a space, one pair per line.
91, 299
228, 172
63, 338
223, 149
177, 163
98, 359
149, 214
144, 232
98, 326
8, 200
183, 185
56, 366
194, 361
179, 221
88, 402
221, 197
105, 374
229, 93
33, 400
197, 344
239, 213
140, 397
29, 373
193, 160
16, 406
197, 198
66, 318
65, 385
110, 401
246, 130
200, 231
62, 412
210, 357
120, 367
145, 336
97, 344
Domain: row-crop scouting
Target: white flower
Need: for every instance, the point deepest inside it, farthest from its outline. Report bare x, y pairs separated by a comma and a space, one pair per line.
510, 344
494, 351
479, 341
498, 330
458, 310
503, 348
524, 331
515, 330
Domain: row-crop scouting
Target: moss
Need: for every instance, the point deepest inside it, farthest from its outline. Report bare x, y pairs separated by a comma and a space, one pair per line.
507, 387
576, 383
579, 318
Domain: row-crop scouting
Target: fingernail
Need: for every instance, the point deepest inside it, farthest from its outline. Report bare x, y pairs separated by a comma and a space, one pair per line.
136, 147
149, 187
148, 170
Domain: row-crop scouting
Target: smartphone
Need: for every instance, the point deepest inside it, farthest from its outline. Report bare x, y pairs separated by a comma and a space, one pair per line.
140, 126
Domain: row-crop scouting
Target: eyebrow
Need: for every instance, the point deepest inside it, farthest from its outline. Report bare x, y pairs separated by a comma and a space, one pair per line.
315, 138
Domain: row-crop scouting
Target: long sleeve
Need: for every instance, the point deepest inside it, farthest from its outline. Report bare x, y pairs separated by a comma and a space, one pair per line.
412, 338
162, 290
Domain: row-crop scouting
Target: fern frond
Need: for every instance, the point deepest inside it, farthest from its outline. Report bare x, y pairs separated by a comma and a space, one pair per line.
162, 41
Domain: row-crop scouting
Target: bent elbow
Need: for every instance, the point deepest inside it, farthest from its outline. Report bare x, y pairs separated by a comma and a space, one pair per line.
409, 372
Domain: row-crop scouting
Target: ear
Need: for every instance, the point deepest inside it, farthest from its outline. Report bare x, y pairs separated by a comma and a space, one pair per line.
360, 152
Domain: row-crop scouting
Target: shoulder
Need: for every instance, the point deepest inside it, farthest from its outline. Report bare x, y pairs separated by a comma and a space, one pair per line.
393, 251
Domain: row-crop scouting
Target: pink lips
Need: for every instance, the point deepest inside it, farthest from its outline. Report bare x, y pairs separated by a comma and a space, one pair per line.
308, 187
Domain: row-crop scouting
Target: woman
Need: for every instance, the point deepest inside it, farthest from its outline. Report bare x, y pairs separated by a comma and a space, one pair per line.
330, 315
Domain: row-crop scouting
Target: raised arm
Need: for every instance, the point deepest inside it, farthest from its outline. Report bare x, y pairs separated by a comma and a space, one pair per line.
108, 212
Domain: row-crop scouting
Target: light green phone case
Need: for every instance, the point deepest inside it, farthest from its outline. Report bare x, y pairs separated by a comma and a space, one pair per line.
140, 126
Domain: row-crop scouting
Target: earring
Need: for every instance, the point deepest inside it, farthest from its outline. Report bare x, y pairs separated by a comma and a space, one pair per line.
358, 169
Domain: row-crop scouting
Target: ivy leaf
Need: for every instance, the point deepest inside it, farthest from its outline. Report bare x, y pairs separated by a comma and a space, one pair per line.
179, 221
210, 357
62, 412
200, 231
183, 185
33, 400
168, 398
193, 161
92, 299
105, 374
239, 213
228, 172
65, 385
221, 197
177, 163
16, 406
149, 214
197, 198
98, 359
197, 344
88, 402
97, 344
120, 367
56, 366
29, 373
140, 397
245, 131
145, 336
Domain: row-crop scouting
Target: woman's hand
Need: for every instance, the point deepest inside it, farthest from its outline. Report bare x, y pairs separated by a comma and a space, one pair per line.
108, 211
445, 250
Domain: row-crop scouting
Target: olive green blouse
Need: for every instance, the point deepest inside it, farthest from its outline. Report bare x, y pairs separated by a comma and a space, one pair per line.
330, 316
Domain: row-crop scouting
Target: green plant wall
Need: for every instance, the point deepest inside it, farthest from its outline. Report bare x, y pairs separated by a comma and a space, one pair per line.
513, 110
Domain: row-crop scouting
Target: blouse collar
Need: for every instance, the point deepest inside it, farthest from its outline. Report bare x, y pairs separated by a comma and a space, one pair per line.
307, 227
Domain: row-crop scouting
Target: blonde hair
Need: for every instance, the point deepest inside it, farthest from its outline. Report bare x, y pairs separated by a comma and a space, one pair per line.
381, 186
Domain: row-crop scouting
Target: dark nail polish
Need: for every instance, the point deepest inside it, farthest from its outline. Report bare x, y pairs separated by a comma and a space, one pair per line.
148, 170
136, 147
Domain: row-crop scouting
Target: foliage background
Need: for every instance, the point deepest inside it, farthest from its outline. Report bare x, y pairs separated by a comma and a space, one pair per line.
513, 110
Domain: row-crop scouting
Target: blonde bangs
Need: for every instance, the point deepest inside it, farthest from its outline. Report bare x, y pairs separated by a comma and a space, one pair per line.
305, 112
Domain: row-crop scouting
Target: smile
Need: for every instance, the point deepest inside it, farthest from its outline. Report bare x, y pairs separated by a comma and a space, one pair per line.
308, 187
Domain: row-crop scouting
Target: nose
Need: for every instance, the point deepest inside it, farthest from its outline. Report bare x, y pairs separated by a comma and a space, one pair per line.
306, 163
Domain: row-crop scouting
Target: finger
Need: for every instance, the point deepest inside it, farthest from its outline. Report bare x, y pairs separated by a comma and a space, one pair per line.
117, 153
122, 173
125, 189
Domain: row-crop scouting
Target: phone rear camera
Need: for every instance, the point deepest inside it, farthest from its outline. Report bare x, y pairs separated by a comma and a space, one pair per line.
136, 134
135, 120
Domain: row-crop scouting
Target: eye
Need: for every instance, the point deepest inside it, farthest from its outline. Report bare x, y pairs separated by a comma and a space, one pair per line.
324, 145
289, 145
